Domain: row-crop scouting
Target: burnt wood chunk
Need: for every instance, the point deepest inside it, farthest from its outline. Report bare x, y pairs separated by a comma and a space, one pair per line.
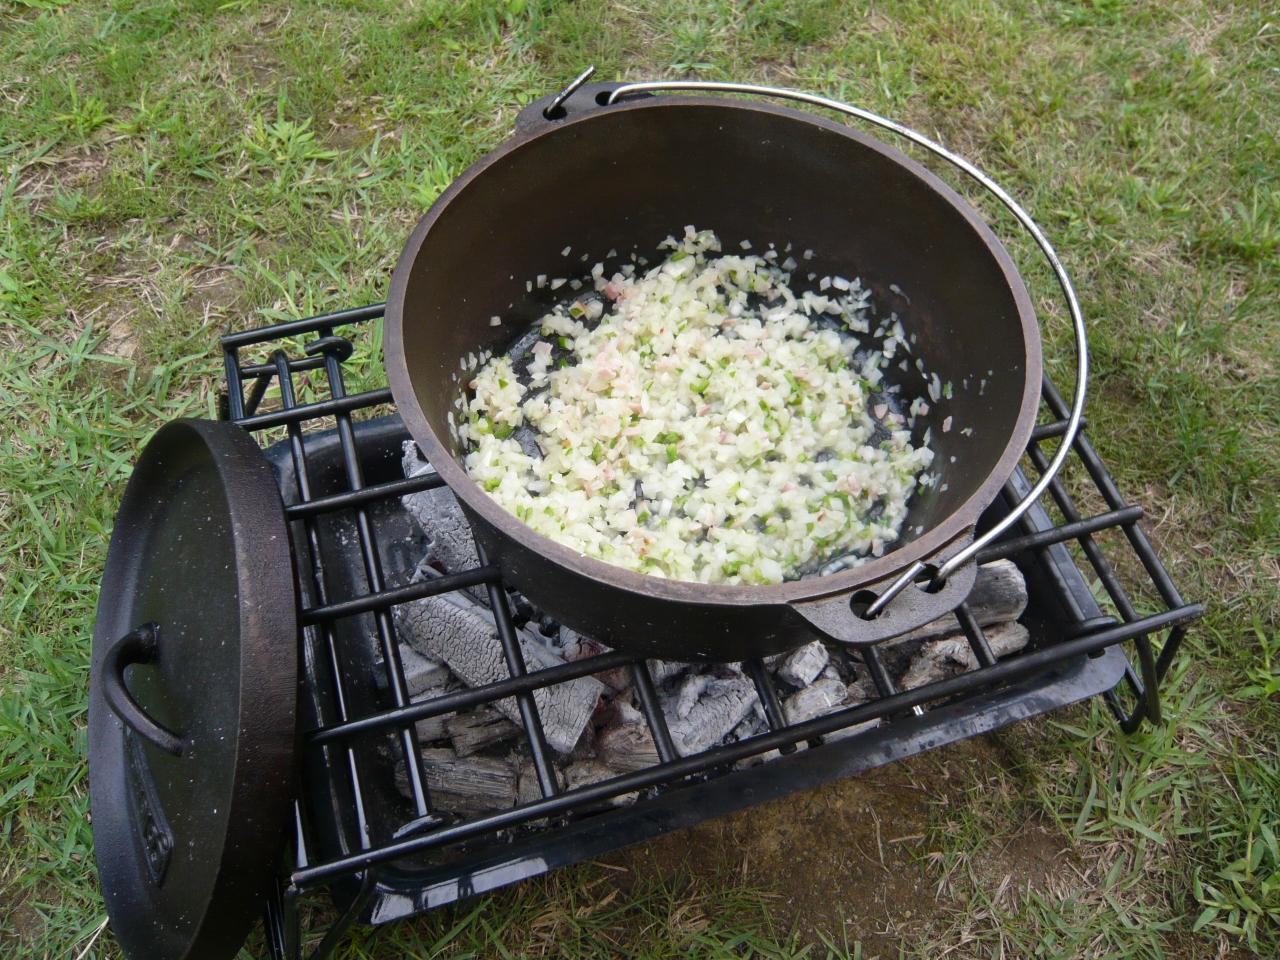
432, 729
528, 789
465, 785
953, 655
999, 593
586, 772
473, 731
627, 747
453, 628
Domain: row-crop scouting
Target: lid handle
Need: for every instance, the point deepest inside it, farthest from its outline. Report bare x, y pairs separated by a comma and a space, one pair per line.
140, 645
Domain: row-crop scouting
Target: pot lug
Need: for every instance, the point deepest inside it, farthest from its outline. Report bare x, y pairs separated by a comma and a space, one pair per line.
586, 99
838, 617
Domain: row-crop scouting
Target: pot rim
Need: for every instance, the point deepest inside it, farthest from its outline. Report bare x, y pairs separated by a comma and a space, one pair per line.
927, 547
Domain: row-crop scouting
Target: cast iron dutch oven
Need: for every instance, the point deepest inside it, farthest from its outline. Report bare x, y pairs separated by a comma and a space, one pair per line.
597, 177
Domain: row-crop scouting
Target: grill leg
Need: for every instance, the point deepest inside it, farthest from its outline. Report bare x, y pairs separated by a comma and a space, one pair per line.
330, 941
281, 924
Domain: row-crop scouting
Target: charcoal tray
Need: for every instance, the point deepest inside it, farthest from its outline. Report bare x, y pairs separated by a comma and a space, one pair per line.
412, 886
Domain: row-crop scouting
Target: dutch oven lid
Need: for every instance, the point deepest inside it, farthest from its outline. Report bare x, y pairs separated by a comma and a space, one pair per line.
192, 695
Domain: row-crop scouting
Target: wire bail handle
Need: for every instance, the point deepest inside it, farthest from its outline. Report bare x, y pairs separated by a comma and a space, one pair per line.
943, 572
570, 89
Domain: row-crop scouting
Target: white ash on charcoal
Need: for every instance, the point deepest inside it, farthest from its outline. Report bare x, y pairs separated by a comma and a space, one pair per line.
620, 678
615, 712
827, 694
476, 785
752, 724
453, 628
706, 707
953, 655
703, 707
664, 670
812, 682
432, 730
580, 773
451, 544
687, 694
829, 672
422, 675
452, 638
861, 689
801, 667
816, 700
572, 645
855, 693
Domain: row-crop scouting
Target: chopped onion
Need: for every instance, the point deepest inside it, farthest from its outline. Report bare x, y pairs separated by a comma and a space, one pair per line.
711, 426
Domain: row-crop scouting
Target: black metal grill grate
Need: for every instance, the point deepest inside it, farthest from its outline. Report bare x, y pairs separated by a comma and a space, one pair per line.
1079, 658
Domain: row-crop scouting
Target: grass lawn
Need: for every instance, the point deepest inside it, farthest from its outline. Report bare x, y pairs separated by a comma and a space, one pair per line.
172, 169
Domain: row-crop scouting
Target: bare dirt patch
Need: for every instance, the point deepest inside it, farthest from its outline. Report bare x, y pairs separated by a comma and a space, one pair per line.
254, 61
854, 855
81, 169
1033, 857
19, 924
346, 135
122, 340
